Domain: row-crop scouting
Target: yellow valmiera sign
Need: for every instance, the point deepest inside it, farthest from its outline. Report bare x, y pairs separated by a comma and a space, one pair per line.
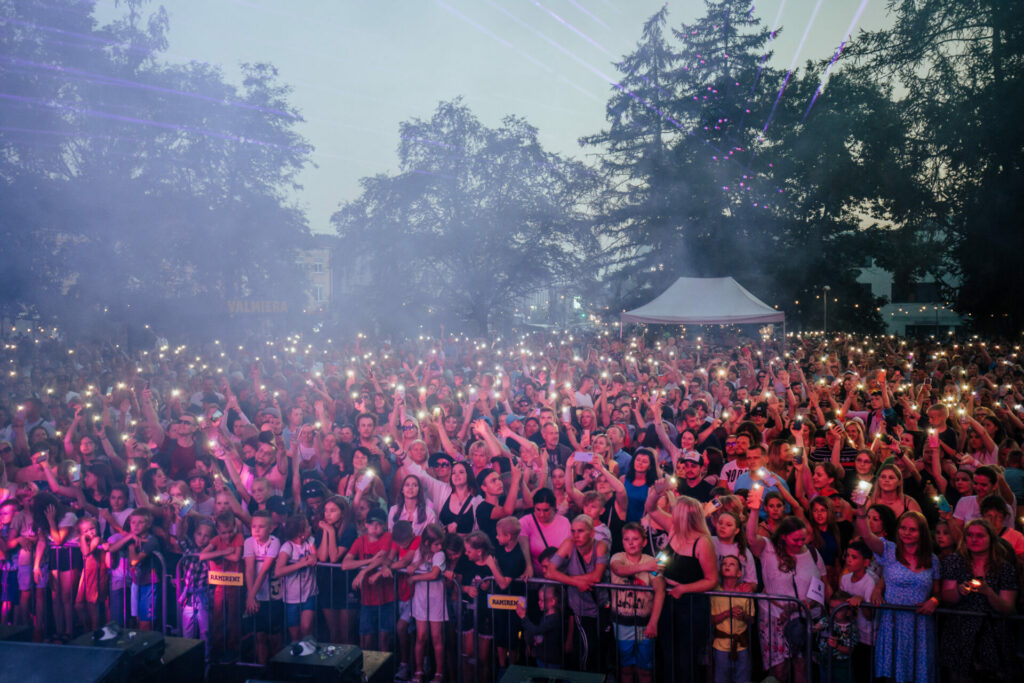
505, 601
226, 579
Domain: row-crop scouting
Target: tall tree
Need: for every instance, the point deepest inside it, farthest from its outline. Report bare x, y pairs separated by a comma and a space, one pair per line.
139, 185
475, 219
960, 70
681, 149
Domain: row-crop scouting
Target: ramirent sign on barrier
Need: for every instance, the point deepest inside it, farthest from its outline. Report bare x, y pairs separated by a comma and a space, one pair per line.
226, 579
505, 601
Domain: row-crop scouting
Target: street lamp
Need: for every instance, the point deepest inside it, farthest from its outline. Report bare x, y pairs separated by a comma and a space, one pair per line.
826, 290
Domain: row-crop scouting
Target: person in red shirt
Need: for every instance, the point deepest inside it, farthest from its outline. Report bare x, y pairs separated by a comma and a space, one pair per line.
369, 554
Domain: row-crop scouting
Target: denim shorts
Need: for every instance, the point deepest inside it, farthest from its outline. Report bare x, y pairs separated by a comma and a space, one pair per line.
147, 602
377, 618
634, 649
293, 610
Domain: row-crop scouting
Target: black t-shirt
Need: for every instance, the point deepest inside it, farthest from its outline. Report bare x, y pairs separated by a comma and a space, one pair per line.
485, 523
472, 574
701, 492
512, 563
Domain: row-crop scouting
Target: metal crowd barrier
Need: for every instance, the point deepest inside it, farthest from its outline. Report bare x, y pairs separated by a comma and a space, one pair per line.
903, 654
496, 634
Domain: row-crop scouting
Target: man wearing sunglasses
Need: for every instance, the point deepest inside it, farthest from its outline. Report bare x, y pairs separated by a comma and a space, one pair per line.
177, 448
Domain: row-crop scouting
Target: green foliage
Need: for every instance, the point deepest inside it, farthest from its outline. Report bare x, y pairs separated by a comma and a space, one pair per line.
712, 174
959, 70
476, 219
131, 183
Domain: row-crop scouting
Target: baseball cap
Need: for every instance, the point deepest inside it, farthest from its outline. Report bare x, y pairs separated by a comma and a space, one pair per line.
437, 458
692, 456
376, 514
277, 505
314, 489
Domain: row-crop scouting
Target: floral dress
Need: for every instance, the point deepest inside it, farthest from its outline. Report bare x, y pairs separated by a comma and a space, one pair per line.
903, 641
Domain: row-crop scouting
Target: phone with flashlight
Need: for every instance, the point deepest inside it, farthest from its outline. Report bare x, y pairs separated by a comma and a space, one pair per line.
566, 413
942, 503
186, 507
583, 456
216, 415
75, 473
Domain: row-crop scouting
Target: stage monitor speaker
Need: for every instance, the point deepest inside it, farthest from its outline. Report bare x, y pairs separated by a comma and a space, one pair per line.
184, 660
326, 663
20, 634
145, 649
529, 674
35, 663
378, 667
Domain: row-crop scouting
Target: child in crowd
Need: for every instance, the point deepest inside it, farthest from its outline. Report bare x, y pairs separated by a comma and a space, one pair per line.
429, 607
114, 519
263, 599
454, 547
194, 591
731, 617
635, 613
141, 545
858, 583
367, 554
593, 507
295, 568
836, 641
404, 544
513, 557
478, 572
543, 639
92, 584
225, 555
9, 546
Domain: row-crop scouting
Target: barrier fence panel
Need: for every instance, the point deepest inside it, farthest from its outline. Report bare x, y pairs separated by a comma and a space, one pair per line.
474, 635
921, 648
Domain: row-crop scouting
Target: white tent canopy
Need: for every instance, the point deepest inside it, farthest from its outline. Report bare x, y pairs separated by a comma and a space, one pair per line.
705, 301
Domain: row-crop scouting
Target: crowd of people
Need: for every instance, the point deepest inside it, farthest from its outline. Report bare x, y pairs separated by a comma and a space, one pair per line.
648, 490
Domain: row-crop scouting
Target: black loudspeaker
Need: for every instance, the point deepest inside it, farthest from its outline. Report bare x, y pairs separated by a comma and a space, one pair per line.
18, 634
184, 660
529, 674
378, 667
327, 663
34, 663
144, 649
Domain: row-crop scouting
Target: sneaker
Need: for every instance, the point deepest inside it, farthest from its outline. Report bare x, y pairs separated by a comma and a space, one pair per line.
403, 672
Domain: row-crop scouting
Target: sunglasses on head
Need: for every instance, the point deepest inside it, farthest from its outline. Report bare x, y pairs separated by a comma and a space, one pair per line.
443, 463
408, 428
186, 422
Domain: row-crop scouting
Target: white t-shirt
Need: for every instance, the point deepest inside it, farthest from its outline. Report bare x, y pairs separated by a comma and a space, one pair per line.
968, 508
267, 551
298, 586
749, 563
398, 512
861, 589
731, 471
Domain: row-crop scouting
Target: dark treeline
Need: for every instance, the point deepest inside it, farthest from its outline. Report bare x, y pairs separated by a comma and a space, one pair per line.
130, 183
